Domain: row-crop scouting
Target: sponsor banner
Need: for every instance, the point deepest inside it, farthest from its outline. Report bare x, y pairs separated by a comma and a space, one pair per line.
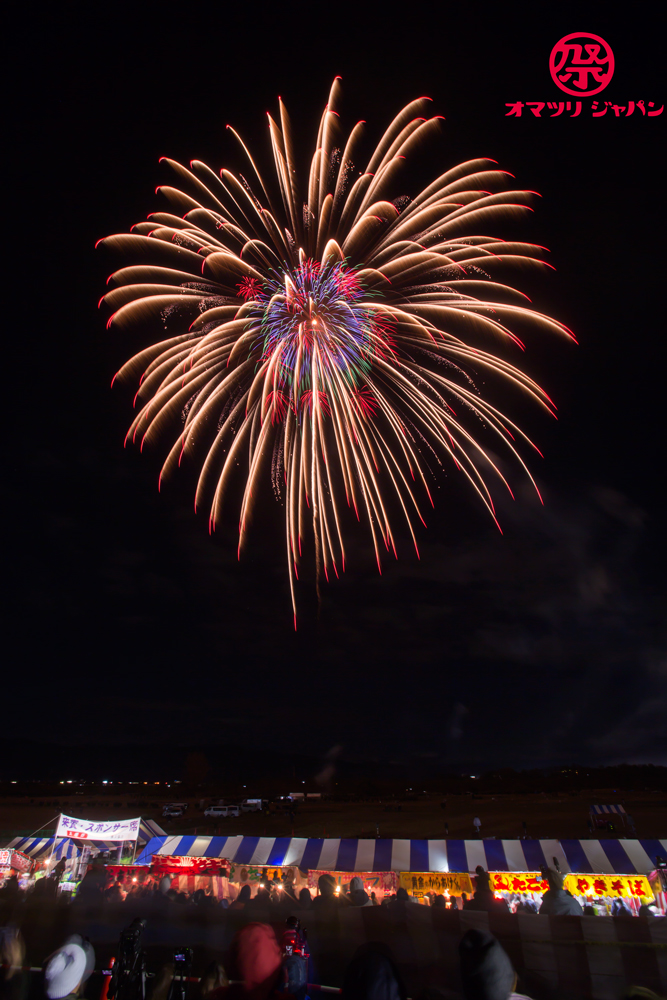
85, 829
373, 881
420, 883
167, 864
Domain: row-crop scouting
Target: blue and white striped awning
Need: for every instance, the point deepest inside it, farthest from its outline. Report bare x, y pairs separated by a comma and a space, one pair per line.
601, 810
602, 857
148, 829
39, 848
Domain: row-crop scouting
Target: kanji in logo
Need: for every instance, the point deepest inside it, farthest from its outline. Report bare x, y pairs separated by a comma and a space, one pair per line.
581, 64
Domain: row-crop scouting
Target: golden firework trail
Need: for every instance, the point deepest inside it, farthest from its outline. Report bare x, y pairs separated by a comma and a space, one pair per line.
328, 336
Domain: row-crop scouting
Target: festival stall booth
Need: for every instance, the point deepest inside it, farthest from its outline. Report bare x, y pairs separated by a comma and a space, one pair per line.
14, 862
78, 841
283, 861
597, 872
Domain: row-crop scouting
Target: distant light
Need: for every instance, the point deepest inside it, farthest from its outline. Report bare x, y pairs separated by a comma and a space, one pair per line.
105, 782
69, 781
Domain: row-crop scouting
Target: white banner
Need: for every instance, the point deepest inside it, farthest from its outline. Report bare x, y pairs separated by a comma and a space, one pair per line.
86, 829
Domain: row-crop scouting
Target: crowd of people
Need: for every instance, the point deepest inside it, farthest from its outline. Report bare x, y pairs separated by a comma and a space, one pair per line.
279, 894
263, 964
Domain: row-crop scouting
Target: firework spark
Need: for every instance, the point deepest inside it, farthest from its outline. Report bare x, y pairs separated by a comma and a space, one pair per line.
330, 339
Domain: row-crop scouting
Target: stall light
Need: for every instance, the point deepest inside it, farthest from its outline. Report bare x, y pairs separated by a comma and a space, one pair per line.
134, 879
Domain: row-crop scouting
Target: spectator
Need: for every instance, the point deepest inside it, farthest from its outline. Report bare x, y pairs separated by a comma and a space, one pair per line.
305, 899
64, 972
620, 909
372, 975
358, 895
477, 823
258, 962
486, 971
215, 978
557, 901
483, 897
14, 982
327, 898
242, 899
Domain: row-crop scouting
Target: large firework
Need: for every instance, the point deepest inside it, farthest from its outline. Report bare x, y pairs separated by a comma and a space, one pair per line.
328, 337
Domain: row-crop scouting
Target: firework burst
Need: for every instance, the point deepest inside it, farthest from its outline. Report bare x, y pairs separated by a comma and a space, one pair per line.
331, 338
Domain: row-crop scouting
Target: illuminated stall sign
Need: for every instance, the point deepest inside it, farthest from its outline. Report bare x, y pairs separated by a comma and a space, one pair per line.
11, 859
420, 883
518, 882
255, 873
578, 885
375, 881
167, 864
608, 885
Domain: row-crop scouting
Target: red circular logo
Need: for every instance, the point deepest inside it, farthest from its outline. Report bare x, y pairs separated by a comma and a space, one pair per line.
581, 64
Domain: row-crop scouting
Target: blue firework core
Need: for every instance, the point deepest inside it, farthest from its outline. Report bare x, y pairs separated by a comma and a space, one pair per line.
316, 325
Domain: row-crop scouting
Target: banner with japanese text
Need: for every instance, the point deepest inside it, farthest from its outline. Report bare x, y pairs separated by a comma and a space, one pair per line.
609, 885
578, 885
85, 829
373, 881
166, 864
419, 883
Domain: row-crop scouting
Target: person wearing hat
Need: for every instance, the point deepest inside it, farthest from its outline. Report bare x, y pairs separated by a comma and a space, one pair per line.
483, 898
557, 901
64, 972
357, 894
486, 971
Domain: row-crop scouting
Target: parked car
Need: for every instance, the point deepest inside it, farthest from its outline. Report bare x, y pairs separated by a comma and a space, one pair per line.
219, 812
167, 810
251, 805
170, 811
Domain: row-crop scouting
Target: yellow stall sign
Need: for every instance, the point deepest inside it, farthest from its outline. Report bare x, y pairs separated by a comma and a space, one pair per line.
608, 885
578, 885
419, 883
518, 882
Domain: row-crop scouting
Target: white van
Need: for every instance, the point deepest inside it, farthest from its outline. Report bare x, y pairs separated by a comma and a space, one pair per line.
251, 805
220, 812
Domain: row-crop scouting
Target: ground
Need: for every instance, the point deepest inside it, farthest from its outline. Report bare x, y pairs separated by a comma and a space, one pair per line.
546, 815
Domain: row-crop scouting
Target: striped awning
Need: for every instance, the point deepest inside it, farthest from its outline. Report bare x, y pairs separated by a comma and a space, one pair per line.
604, 857
39, 848
602, 810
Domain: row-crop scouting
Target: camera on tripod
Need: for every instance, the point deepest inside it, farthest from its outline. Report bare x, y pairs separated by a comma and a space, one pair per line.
128, 977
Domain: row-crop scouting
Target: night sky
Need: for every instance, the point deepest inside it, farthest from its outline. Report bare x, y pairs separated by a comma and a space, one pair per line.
124, 621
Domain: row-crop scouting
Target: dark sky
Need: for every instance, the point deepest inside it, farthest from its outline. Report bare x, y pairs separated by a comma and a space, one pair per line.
124, 620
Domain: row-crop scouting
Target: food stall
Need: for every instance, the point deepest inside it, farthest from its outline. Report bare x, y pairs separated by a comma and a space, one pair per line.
13, 862
598, 891
380, 883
